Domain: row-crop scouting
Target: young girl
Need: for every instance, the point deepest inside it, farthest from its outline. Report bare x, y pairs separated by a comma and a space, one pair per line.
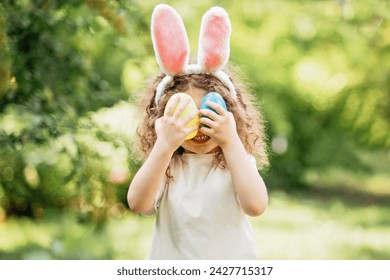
202, 188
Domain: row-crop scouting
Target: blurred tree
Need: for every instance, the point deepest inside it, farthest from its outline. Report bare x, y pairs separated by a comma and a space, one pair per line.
321, 70
4, 54
57, 67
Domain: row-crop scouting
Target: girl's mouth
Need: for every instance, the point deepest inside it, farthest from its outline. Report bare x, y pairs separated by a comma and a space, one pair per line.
201, 139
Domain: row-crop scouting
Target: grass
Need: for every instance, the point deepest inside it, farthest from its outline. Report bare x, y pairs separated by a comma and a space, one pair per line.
62, 237
301, 227
339, 222
343, 216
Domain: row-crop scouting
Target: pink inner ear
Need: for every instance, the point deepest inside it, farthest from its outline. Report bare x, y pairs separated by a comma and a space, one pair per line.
214, 40
170, 40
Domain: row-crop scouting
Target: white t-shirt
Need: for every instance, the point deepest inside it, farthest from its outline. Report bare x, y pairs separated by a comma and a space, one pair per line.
198, 214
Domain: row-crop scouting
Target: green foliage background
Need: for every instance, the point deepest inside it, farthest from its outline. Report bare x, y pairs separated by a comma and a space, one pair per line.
70, 71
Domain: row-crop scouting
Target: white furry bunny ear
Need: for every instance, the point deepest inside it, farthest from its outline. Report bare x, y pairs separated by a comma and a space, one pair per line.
170, 40
214, 40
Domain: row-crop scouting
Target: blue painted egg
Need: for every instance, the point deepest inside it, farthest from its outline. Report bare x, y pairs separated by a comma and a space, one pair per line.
214, 97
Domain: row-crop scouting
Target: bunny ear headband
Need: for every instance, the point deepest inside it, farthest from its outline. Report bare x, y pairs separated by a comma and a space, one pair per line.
172, 48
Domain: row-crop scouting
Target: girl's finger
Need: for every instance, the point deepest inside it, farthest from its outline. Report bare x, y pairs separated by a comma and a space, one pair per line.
218, 108
172, 105
206, 121
190, 116
190, 129
208, 113
182, 106
206, 130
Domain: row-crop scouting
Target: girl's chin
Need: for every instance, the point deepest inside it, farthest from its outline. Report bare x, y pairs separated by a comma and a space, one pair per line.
200, 146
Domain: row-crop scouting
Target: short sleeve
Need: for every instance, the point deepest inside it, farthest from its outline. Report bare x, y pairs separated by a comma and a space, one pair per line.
158, 197
252, 159
157, 200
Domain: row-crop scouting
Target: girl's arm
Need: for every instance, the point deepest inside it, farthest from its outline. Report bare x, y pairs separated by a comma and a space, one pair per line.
171, 132
146, 182
250, 188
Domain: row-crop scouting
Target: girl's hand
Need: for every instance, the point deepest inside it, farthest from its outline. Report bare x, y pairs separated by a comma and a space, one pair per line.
170, 129
221, 127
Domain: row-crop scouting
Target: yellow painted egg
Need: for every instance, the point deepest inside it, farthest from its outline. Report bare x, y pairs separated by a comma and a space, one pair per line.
190, 108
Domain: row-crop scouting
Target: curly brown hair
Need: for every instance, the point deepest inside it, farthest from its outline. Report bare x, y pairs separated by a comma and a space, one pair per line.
249, 121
